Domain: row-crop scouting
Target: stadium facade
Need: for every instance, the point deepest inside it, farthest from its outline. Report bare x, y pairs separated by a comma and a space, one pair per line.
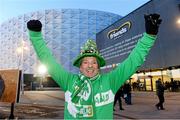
64, 31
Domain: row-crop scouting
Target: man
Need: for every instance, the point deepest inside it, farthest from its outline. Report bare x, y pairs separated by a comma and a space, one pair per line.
160, 93
127, 93
117, 97
90, 95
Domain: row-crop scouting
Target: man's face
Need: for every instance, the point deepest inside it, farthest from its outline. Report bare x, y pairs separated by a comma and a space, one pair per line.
89, 66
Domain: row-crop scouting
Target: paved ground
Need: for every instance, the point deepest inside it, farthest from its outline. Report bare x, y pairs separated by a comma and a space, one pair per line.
50, 104
143, 107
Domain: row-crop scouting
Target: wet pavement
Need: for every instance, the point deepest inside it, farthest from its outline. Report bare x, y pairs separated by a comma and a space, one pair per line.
25, 111
36, 105
50, 105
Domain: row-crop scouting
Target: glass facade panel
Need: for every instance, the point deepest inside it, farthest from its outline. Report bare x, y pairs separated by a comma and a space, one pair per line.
64, 31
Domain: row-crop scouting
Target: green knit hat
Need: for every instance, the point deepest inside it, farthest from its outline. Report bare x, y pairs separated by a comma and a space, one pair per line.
89, 49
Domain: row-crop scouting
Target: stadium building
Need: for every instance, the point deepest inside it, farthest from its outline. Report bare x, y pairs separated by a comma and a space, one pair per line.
64, 31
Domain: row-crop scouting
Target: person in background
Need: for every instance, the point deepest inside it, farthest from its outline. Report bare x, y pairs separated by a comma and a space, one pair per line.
2, 86
160, 93
127, 93
117, 97
90, 94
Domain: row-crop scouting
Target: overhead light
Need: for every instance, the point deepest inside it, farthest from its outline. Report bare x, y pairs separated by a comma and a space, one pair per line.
42, 69
178, 21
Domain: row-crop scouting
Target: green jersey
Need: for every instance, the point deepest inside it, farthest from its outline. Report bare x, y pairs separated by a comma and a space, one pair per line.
96, 96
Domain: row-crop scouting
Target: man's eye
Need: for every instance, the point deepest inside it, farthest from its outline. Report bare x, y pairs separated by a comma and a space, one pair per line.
85, 62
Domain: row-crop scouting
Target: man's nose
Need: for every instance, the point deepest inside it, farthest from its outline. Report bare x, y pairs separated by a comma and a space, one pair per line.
90, 65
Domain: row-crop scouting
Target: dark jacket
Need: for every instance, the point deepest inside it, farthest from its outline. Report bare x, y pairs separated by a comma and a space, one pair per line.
159, 88
119, 93
127, 88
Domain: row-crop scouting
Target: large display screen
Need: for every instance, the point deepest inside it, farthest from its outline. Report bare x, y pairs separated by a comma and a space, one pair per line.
117, 41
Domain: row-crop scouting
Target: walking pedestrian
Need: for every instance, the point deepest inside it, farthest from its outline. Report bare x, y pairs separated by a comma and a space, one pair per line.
127, 93
117, 97
160, 93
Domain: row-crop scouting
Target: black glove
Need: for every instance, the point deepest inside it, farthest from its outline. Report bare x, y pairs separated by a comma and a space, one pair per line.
152, 23
34, 25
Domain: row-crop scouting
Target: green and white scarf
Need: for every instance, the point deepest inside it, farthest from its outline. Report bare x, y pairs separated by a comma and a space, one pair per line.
82, 95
